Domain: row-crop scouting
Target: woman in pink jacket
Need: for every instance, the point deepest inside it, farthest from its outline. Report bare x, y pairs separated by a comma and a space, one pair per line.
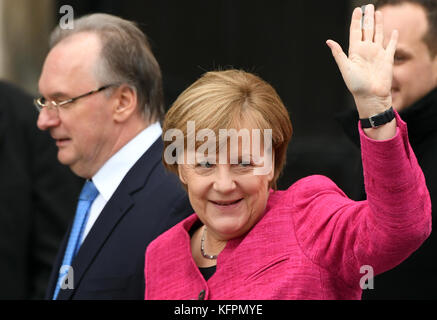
226, 137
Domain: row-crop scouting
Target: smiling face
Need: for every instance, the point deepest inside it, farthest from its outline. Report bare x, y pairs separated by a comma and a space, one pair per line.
83, 130
228, 198
414, 71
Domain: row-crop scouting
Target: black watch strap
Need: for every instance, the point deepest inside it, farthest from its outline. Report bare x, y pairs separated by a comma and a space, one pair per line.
378, 120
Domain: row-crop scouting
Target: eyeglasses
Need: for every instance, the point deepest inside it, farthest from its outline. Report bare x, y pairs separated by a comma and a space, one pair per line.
42, 103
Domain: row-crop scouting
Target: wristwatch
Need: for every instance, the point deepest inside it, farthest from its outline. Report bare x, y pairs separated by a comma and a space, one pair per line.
378, 120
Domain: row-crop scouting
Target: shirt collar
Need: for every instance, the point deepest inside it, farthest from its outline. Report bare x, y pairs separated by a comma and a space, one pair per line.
110, 175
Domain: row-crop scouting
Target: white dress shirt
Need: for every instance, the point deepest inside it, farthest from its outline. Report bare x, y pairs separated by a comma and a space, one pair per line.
110, 175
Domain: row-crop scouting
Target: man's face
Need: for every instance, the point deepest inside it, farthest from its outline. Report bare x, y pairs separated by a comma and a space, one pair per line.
415, 71
83, 129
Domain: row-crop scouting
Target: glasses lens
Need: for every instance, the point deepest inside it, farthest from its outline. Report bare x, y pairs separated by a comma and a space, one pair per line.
36, 104
40, 103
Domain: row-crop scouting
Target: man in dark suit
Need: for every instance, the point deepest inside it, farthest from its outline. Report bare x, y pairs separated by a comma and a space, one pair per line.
102, 102
37, 198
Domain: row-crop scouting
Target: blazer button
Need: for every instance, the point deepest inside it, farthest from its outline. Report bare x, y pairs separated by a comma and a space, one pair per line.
202, 295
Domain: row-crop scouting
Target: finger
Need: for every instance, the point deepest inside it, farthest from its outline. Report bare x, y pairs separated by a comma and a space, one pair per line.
379, 28
391, 47
355, 32
338, 54
369, 23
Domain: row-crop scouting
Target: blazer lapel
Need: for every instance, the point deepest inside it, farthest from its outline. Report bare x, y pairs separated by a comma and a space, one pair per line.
119, 204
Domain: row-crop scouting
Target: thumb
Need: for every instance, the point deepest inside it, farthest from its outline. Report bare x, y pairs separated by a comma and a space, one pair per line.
338, 54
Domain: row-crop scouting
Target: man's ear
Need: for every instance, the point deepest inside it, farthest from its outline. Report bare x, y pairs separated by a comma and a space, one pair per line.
125, 103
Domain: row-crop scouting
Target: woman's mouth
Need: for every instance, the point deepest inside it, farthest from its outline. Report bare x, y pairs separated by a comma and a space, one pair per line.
227, 203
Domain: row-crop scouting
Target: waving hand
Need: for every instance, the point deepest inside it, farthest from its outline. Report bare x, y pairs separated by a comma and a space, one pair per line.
368, 68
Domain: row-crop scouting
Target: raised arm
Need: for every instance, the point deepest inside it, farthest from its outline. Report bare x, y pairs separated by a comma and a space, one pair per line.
367, 70
342, 235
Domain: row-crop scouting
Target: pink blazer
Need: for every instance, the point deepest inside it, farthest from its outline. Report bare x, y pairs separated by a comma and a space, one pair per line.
312, 241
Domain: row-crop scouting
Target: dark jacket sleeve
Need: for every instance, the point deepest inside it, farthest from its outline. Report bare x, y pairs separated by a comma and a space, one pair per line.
38, 198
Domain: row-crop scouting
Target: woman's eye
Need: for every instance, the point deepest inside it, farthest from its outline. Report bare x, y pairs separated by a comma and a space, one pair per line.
245, 164
205, 164
399, 58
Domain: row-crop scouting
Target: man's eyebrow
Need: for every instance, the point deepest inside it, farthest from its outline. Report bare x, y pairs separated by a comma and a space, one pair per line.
56, 95
402, 51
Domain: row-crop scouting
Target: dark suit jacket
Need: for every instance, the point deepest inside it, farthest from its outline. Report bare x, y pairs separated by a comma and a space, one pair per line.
37, 198
110, 262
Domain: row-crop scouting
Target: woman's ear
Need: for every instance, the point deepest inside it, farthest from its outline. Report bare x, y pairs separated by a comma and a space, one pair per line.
271, 174
125, 104
181, 174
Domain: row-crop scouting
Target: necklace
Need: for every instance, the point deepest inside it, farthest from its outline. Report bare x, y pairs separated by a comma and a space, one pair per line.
202, 247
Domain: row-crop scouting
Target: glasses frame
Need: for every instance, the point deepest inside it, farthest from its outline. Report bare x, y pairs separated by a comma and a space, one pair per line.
55, 105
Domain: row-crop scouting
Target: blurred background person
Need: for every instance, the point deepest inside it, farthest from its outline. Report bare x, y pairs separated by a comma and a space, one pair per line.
37, 198
37, 193
414, 91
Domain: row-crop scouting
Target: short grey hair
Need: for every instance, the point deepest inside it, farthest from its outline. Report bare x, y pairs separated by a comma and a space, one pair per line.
126, 57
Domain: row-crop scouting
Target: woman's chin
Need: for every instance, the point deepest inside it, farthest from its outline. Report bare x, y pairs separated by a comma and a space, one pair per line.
229, 229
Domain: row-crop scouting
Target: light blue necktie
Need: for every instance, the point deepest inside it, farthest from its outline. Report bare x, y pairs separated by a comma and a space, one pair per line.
88, 194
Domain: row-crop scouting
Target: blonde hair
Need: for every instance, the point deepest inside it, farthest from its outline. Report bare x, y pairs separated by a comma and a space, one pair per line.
223, 100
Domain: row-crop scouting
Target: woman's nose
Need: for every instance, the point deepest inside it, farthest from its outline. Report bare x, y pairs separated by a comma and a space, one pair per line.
224, 179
